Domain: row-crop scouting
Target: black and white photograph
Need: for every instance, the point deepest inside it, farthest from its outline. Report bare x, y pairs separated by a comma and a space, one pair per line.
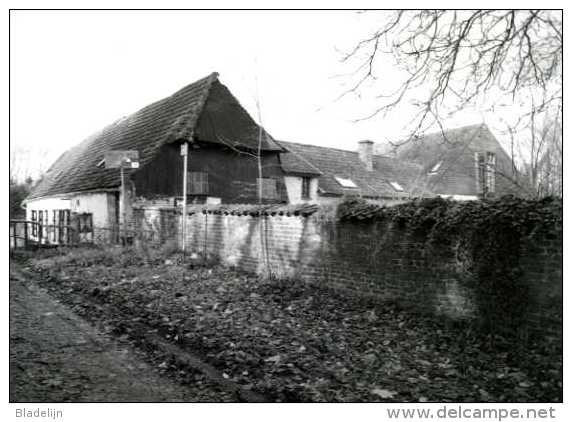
286, 206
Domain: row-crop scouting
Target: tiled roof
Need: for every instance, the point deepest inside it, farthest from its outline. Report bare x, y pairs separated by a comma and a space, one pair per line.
199, 110
455, 150
332, 163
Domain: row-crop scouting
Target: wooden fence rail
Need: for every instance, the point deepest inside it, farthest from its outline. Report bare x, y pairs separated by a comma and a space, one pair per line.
32, 234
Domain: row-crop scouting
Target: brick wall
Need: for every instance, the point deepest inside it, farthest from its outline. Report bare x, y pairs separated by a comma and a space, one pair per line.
374, 258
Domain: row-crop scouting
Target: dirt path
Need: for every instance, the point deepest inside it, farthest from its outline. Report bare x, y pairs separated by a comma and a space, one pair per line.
56, 356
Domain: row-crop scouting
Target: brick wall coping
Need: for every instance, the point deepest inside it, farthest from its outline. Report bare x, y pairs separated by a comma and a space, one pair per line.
254, 210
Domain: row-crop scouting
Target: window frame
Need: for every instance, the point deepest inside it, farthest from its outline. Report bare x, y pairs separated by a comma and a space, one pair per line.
435, 169
265, 187
396, 186
490, 162
346, 183
34, 220
485, 167
197, 185
306, 188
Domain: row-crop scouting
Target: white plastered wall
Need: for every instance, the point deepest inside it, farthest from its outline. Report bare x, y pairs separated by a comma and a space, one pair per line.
99, 204
95, 203
294, 189
44, 204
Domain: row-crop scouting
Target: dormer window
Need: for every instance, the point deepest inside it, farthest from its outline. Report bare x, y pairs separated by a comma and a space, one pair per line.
345, 183
396, 186
436, 168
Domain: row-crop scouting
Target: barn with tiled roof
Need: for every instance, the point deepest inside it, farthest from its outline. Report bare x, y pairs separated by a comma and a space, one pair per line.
222, 161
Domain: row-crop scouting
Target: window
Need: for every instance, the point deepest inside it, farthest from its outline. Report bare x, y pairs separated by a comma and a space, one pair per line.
34, 219
396, 186
485, 167
85, 222
480, 172
63, 221
41, 221
306, 187
268, 188
197, 183
435, 168
54, 222
346, 183
491, 168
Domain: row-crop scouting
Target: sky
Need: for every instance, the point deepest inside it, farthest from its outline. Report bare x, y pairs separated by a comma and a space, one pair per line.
74, 72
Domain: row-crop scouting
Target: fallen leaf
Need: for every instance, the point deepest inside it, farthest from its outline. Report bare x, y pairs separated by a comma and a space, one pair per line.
384, 394
273, 359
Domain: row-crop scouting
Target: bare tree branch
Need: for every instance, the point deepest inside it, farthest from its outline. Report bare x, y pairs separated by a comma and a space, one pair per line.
453, 59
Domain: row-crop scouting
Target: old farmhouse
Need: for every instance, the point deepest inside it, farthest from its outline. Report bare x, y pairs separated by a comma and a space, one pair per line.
232, 159
326, 175
466, 163
463, 163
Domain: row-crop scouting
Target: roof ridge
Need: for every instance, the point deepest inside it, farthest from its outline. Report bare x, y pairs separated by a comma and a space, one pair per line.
319, 146
197, 110
336, 149
476, 125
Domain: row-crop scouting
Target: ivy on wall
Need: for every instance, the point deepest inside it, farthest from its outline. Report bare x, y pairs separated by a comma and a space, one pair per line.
486, 237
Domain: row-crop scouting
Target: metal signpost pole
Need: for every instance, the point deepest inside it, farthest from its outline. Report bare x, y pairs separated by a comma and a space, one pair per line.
121, 159
184, 153
122, 206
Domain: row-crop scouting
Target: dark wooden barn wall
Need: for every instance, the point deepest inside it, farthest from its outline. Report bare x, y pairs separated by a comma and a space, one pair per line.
232, 175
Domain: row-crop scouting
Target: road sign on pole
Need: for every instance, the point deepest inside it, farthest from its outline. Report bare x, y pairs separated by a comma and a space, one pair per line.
184, 149
127, 159
122, 159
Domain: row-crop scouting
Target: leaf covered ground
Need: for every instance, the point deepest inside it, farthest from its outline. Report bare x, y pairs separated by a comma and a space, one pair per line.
292, 341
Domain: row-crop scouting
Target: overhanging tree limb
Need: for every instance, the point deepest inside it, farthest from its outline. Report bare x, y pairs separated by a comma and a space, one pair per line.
452, 59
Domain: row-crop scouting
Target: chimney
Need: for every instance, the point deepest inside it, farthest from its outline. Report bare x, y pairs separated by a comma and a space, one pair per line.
365, 151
